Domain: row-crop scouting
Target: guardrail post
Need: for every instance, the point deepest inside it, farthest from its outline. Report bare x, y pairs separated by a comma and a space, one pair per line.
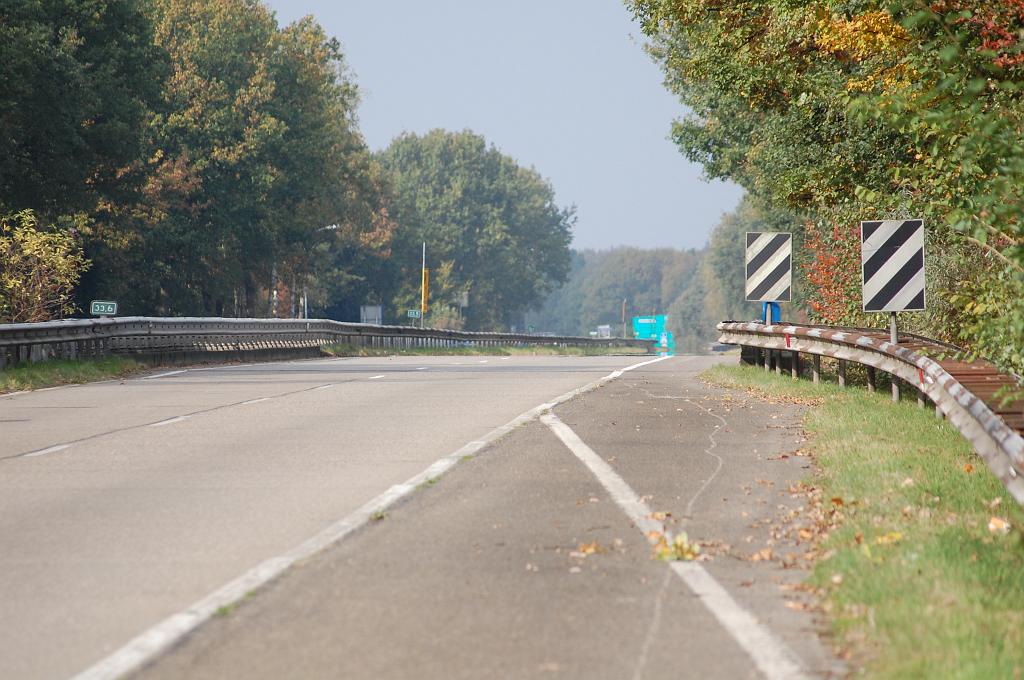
816, 370
842, 372
794, 366
767, 360
895, 388
920, 399
778, 362
871, 379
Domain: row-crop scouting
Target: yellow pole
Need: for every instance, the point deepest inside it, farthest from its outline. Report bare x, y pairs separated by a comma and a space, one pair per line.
425, 292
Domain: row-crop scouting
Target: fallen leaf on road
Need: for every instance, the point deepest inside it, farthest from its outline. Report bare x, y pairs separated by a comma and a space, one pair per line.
591, 548
762, 555
679, 549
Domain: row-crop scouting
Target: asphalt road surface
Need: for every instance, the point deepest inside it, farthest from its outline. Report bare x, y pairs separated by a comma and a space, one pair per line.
124, 503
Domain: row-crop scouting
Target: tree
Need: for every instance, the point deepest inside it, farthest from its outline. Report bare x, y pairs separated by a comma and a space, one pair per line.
78, 79
492, 223
38, 270
839, 112
259, 185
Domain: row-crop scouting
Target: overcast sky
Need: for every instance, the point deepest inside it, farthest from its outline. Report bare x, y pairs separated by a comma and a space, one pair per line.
560, 85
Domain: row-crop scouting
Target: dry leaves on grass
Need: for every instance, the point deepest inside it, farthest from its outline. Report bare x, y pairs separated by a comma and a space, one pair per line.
999, 526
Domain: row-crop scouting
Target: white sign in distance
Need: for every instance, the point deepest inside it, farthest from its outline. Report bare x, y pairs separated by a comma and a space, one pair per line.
769, 264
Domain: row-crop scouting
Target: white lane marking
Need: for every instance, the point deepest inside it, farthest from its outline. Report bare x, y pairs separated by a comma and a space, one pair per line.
375, 377
505, 358
169, 421
256, 401
164, 375
771, 656
484, 361
43, 452
165, 634
422, 368
323, 387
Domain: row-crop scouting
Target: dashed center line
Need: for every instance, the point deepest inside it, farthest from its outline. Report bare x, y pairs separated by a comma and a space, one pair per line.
43, 452
375, 377
422, 368
484, 361
169, 421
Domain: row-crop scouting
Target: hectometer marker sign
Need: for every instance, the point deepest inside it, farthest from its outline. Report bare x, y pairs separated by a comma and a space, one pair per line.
769, 266
892, 265
103, 308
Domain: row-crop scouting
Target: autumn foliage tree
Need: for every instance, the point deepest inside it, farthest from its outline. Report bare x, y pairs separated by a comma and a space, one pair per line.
840, 112
39, 270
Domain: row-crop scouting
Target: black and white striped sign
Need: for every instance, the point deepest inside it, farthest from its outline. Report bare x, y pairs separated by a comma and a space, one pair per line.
892, 264
769, 266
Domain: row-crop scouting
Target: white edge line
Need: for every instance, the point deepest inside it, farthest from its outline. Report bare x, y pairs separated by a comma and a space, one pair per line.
422, 368
375, 377
257, 401
164, 375
43, 452
161, 637
771, 656
169, 421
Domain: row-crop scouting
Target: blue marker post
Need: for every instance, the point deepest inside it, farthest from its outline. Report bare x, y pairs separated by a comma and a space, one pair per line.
771, 313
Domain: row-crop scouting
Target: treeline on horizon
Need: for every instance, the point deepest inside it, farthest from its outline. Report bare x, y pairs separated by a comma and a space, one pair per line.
696, 288
832, 112
193, 157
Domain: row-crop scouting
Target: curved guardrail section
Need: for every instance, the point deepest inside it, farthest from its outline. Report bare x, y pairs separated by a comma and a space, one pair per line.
75, 338
999, 444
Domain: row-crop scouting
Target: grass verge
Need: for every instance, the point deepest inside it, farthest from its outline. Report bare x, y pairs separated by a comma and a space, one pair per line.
356, 351
64, 372
912, 578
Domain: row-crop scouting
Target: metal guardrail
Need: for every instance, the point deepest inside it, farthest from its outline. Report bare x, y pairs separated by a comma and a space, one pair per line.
141, 335
941, 381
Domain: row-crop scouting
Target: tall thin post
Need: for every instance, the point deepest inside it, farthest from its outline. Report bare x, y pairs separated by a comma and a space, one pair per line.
423, 283
894, 338
623, 317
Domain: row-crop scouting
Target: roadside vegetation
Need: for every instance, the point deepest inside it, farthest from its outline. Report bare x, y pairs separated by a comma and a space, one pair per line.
833, 112
920, 559
64, 372
356, 351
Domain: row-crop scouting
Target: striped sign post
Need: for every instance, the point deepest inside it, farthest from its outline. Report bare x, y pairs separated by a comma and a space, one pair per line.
769, 263
892, 271
892, 265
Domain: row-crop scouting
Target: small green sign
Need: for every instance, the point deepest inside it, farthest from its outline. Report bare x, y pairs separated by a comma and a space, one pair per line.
413, 313
103, 308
